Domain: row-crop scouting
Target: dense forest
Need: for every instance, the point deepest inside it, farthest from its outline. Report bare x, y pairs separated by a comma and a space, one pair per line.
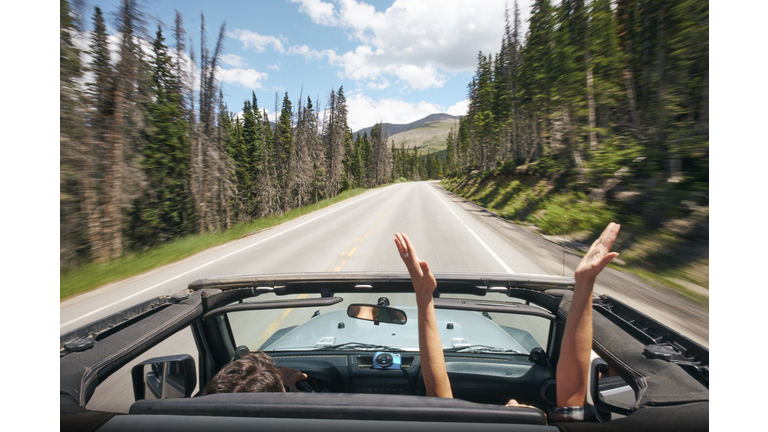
601, 113
608, 97
593, 86
148, 153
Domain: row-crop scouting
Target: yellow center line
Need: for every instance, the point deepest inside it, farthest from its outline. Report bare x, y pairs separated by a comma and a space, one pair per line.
275, 324
354, 249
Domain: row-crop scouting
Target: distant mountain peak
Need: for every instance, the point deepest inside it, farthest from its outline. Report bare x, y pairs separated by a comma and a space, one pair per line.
395, 128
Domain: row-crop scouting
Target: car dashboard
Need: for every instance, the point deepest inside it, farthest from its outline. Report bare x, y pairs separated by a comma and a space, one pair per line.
481, 378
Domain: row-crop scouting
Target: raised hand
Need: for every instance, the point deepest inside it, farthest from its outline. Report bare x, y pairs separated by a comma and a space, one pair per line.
430, 349
424, 282
575, 349
599, 255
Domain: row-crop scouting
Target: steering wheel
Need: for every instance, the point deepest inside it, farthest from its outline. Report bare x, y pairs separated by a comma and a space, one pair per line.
304, 387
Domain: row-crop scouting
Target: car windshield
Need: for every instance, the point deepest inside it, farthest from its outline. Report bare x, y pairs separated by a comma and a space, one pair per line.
329, 327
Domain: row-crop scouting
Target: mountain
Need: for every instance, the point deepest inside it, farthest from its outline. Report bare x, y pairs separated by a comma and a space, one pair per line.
395, 129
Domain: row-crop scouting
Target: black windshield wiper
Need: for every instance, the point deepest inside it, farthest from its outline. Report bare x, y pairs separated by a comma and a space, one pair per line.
359, 346
483, 349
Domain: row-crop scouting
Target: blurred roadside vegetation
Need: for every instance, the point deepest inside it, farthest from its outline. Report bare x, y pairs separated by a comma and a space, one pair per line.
89, 276
599, 113
673, 252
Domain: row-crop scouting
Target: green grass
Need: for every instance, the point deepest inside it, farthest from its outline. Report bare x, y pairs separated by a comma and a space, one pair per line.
697, 298
556, 212
90, 276
571, 212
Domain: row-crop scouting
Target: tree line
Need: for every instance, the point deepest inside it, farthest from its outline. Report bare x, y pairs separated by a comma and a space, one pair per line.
410, 164
594, 87
150, 152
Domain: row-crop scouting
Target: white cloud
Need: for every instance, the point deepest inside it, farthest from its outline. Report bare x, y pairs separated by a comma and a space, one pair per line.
415, 41
459, 109
365, 111
320, 12
233, 60
247, 78
274, 66
312, 54
257, 41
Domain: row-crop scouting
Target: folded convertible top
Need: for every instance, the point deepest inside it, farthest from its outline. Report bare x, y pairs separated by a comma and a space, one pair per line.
341, 406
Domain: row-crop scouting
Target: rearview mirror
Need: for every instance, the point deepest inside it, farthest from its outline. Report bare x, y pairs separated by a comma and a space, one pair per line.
164, 377
377, 314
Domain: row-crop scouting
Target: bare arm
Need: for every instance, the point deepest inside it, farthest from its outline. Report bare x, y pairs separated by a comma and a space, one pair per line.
573, 366
430, 349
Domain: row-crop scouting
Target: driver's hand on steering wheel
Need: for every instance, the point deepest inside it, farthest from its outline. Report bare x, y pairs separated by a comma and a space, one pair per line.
291, 376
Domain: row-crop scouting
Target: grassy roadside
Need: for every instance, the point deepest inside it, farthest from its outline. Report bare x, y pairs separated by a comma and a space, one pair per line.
657, 256
90, 276
665, 280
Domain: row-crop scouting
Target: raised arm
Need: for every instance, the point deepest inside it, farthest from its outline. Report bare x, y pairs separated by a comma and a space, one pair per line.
573, 366
430, 348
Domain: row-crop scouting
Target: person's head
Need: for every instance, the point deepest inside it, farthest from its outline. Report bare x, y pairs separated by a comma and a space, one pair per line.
253, 373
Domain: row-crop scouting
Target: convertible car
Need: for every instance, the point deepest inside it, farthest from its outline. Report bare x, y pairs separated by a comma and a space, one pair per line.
355, 336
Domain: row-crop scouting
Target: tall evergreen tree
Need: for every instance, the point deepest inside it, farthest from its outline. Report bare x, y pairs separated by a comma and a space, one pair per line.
76, 156
284, 152
164, 210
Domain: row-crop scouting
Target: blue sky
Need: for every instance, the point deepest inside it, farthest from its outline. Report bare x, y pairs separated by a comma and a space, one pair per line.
397, 60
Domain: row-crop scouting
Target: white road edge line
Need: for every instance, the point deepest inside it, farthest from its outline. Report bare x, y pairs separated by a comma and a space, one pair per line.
211, 262
493, 254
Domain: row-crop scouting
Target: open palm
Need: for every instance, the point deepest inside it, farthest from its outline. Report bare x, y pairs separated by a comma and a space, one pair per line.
599, 254
424, 282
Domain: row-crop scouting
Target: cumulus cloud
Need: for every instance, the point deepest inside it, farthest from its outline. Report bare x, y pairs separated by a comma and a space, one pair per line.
246, 78
320, 12
459, 109
312, 54
365, 111
233, 60
417, 42
259, 42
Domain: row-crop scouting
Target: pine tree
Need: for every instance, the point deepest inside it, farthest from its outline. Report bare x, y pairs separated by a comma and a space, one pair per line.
395, 165
76, 156
537, 74
284, 151
305, 134
164, 209
129, 23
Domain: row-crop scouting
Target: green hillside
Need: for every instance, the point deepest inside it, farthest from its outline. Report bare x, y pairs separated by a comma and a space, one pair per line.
428, 137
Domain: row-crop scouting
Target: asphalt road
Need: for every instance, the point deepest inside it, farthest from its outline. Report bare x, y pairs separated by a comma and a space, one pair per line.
354, 235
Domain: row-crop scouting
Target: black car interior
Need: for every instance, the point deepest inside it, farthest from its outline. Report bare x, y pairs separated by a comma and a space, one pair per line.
348, 385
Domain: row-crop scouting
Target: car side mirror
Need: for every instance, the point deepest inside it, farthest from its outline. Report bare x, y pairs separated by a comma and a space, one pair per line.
377, 314
608, 392
164, 377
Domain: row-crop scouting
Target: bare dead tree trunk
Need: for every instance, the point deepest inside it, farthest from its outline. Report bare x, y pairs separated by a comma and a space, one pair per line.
93, 216
113, 177
575, 146
591, 103
625, 13
534, 139
704, 122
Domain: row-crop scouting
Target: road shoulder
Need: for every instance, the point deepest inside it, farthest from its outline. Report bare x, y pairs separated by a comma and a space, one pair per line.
654, 300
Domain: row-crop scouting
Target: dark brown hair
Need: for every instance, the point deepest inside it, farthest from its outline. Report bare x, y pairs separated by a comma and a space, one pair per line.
256, 372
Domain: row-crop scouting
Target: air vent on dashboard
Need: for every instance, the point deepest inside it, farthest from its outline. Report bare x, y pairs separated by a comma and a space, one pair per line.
549, 392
